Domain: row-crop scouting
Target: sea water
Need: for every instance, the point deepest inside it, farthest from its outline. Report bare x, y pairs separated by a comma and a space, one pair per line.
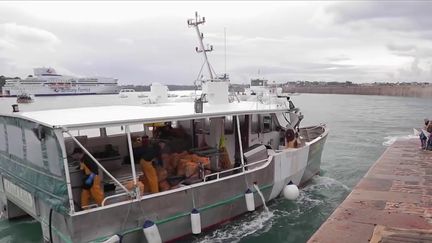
360, 129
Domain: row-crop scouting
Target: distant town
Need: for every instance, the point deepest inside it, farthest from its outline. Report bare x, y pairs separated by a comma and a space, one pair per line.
411, 89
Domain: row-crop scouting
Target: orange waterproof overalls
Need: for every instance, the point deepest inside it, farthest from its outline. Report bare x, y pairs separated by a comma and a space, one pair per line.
94, 192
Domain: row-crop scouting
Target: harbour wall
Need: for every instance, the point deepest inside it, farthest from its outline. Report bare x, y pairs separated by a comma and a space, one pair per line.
424, 91
392, 203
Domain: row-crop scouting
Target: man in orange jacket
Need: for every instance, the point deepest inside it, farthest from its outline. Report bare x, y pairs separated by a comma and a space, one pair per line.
91, 188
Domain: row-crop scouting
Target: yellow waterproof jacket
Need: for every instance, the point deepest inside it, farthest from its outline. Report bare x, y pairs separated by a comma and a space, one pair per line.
150, 176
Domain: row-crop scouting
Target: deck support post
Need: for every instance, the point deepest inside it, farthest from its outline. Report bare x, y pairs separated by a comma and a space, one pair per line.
240, 142
66, 169
131, 156
97, 163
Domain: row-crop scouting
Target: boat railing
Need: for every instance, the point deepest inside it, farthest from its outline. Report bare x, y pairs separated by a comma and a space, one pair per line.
241, 167
114, 196
89, 206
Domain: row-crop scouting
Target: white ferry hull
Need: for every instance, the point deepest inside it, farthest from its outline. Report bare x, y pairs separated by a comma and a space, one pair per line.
45, 90
46, 82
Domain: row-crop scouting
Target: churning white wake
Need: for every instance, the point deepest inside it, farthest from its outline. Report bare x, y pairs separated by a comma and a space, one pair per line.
323, 182
235, 231
261, 221
389, 140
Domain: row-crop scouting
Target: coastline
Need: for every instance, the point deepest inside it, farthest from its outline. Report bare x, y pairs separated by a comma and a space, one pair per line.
421, 91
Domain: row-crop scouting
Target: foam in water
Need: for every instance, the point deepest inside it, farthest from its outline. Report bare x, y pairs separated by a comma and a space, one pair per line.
389, 140
320, 182
238, 230
235, 231
262, 222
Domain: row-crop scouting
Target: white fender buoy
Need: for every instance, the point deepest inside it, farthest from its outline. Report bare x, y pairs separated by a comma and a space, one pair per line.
250, 202
113, 239
151, 232
291, 191
195, 222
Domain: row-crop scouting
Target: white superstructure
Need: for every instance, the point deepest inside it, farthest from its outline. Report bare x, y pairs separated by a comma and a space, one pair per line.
261, 86
46, 81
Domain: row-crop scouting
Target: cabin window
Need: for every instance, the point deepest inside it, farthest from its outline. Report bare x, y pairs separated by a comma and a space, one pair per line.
174, 124
229, 125
2, 138
15, 140
91, 133
202, 126
267, 123
34, 149
54, 158
136, 128
122, 129
187, 124
255, 124
257, 82
114, 130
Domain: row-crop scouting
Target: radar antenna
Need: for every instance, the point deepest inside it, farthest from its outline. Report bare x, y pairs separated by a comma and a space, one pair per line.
195, 23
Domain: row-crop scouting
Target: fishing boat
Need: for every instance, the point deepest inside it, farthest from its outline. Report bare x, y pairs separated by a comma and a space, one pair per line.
158, 94
260, 89
259, 85
219, 155
25, 98
125, 93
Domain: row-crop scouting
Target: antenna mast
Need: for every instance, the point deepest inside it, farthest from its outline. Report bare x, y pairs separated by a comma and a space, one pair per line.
225, 50
194, 23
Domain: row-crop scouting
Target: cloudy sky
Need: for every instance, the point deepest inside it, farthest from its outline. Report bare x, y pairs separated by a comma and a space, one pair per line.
145, 42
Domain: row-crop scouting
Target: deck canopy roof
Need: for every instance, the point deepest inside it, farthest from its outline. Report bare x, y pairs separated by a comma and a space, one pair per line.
102, 116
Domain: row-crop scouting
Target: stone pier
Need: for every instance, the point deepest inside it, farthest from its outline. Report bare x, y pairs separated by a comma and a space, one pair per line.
392, 203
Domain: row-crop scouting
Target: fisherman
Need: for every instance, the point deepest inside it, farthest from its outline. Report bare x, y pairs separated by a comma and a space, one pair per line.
148, 160
423, 137
290, 138
291, 104
141, 150
429, 139
91, 188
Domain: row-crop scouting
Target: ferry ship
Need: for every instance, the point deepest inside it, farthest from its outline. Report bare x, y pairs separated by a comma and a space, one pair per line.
46, 82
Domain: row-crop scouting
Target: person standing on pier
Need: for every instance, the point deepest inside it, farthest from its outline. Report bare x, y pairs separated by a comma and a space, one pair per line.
426, 135
423, 138
429, 137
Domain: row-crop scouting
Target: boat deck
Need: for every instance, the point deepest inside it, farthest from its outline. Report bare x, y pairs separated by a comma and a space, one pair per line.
392, 203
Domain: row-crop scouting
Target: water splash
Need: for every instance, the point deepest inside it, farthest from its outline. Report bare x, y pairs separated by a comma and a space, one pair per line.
258, 222
323, 182
389, 140
262, 197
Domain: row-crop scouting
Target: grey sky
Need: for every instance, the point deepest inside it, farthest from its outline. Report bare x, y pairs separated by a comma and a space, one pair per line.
144, 42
